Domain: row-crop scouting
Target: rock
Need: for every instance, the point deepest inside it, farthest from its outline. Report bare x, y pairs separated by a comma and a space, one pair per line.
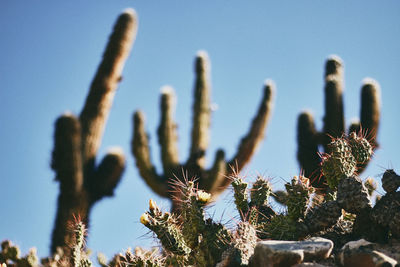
309, 264
288, 253
361, 253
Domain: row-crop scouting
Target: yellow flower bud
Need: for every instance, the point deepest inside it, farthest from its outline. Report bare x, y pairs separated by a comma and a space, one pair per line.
152, 205
144, 219
203, 196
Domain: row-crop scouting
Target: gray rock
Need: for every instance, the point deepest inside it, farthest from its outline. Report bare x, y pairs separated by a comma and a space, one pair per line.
288, 253
309, 264
362, 253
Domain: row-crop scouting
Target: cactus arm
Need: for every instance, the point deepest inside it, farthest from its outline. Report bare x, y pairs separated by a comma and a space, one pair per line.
66, 157
249, 143
167, 136
307, 140
201, 111
370, 109
334, 118
141, 152
216, 173
102, 90
107, 176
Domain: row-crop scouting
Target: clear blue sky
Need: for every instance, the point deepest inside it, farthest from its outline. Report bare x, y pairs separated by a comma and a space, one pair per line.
49, 52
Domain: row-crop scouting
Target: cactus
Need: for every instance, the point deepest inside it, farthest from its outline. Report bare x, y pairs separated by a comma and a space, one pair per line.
199, 241
77, 140
11, 256
215, 179
334, 125
346, 153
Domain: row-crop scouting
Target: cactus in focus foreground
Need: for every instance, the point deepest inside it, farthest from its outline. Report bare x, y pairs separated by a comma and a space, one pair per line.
309, 138
194, 240
215, 179
10, 253
82, 182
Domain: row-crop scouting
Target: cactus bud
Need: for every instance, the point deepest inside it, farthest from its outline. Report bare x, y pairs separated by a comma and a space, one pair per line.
144, 219
152, 205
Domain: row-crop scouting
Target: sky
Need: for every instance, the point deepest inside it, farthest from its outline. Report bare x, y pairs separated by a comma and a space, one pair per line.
50, 50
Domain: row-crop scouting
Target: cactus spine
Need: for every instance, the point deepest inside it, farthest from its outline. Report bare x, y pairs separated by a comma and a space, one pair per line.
77, 140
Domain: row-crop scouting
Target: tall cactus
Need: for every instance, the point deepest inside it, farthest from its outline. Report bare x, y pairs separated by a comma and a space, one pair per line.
215, 179
309, 138
77, 140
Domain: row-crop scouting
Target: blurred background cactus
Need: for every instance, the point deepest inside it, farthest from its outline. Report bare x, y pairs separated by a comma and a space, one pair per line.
309, 139
77, 140
214, 180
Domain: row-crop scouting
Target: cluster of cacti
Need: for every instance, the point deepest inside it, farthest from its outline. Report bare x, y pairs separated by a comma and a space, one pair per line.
191, 239
260, 214
77, 140
347, 196
215, 179
308, 138
10, 254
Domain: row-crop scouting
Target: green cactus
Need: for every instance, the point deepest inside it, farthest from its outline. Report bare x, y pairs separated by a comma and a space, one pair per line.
215, 179
260, 193
79, 257
165, 226
240, 196
346, 153
298, 200
242, 248
77, 140
308, 138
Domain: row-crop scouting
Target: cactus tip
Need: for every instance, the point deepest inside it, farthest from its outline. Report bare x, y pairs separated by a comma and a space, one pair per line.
370, 81
115, 150
129, 11
167, 90
335, 58
269, 83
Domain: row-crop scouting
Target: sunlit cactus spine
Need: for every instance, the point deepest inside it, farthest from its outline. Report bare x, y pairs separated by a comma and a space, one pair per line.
308, 138
77, 139
213, 180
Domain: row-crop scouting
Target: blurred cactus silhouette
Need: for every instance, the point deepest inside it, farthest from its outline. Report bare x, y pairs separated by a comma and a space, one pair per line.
308, 138
215, 179
76, 140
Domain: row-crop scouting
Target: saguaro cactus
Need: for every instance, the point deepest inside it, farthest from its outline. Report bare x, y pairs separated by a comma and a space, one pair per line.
215, 179
334, 124
77, 140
